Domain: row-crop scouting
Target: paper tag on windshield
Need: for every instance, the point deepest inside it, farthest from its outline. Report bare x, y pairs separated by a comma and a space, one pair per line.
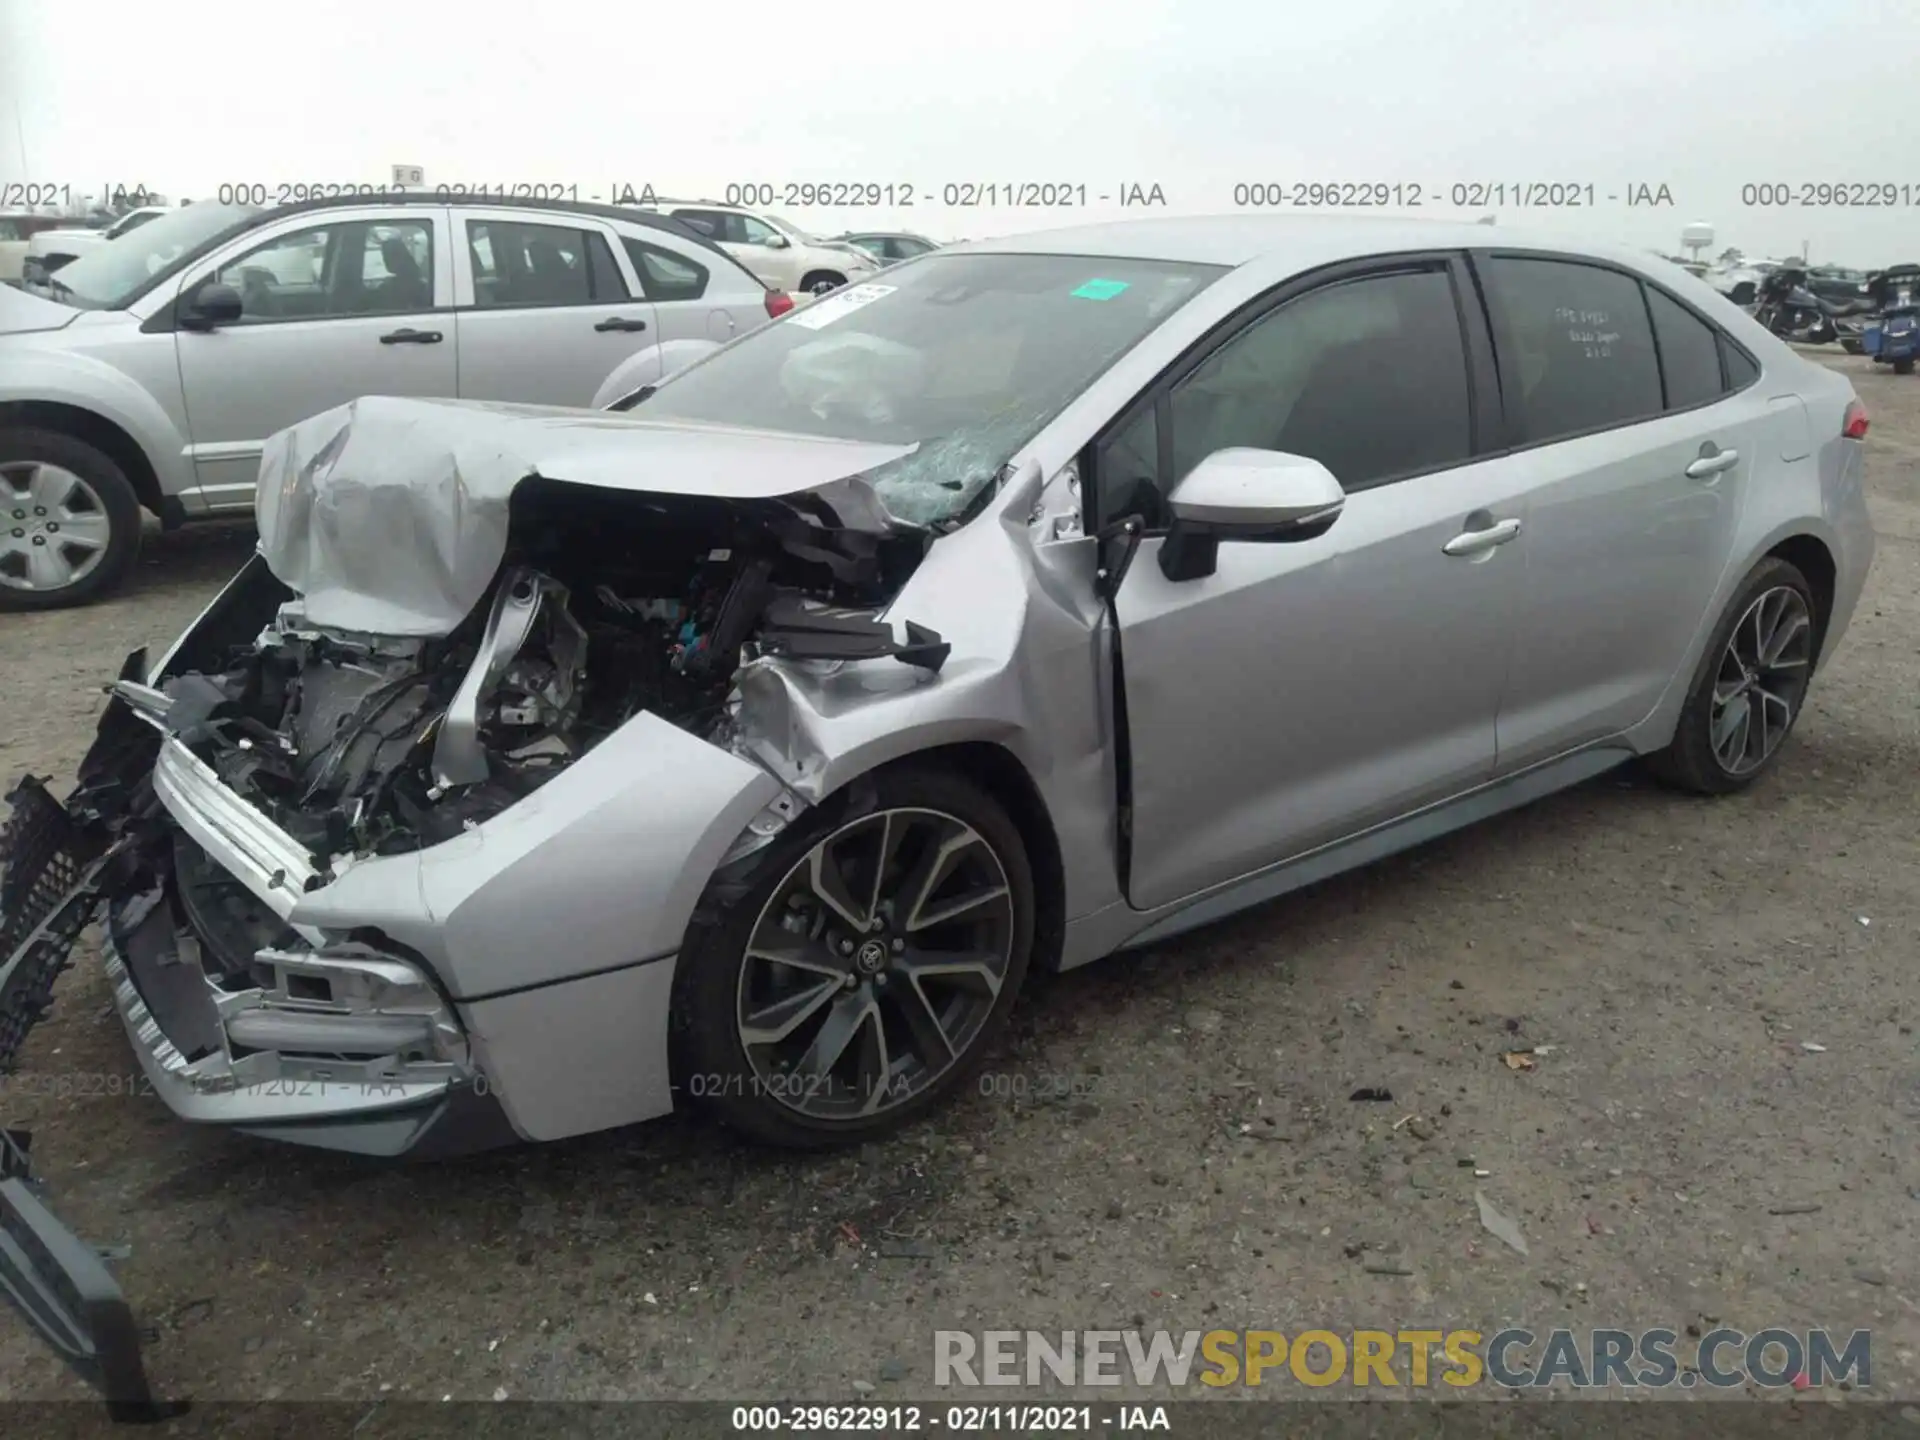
837, 306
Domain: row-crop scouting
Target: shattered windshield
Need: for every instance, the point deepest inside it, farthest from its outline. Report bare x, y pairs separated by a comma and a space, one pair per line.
102, 279
968, 355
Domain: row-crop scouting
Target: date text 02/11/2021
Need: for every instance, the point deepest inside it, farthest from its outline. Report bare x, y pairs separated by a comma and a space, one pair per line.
1466, 195
954, 195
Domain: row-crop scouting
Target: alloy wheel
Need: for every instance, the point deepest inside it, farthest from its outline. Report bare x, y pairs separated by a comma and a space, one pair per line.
1761, 681
875, 964
54, 529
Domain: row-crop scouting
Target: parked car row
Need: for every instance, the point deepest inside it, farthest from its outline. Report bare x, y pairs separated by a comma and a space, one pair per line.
148, 372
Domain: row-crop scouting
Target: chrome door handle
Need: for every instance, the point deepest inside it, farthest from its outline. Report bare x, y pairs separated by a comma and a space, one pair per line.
1478, 542
1713, 464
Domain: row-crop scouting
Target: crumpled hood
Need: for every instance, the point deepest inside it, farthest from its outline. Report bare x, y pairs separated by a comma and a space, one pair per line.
22, 314
389, 516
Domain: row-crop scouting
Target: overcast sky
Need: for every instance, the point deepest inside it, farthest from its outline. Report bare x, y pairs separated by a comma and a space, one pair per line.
1702, 96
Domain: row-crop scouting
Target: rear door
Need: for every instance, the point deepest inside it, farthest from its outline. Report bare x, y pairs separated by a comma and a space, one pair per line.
546, 312
699, 298
337, 305
1637, 453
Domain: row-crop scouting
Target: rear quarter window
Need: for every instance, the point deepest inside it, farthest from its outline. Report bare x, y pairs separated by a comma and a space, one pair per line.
1689, 352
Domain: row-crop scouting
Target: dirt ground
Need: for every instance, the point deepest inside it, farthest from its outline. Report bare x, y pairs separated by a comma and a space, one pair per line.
1168, 1140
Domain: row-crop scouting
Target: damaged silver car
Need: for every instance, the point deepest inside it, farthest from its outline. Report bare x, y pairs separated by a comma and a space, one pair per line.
747, 745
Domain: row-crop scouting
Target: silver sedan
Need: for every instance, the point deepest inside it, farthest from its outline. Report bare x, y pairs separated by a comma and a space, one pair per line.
746, 747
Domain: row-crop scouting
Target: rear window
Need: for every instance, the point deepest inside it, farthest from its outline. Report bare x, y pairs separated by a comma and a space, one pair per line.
1576, 340
965, 356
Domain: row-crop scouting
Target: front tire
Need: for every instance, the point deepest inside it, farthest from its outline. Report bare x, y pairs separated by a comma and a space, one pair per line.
1749, 688
855, 972
69, 521
1903, 367
822, 282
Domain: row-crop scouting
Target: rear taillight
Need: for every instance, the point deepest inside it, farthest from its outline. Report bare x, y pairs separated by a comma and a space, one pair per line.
1854, 427
778, 303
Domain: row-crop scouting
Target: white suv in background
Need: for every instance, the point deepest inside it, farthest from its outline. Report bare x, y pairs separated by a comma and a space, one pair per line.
778, 251
52, 249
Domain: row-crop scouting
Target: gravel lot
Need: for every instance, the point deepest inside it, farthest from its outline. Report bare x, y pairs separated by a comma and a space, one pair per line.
1168, 1140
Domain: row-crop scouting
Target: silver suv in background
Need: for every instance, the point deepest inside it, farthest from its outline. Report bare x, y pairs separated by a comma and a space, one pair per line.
150, 372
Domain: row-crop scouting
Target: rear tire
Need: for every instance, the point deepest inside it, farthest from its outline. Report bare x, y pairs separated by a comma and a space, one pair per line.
793, 1052
102, 505
1749, 688
1903, 367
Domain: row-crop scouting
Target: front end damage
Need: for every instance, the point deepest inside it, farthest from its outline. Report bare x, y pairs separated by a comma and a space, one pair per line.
386, 851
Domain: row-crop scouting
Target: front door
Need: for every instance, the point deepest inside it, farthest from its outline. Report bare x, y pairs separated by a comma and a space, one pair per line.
334, 308
546, 312
1305, 691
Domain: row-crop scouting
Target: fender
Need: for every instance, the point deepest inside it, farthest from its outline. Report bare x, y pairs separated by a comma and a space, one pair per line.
649, 367
1656, 730
61, 376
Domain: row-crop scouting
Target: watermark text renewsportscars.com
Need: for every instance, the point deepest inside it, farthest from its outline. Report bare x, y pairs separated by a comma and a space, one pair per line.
1599, 1358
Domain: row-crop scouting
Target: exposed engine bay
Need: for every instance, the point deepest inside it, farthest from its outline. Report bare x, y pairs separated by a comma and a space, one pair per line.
606, 604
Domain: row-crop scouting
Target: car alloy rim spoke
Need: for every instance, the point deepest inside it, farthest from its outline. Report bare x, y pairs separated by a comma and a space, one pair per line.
1762, 677
780, 1019
874, 964
922, 1018
52, 487
922, 966
824, 876
842, 1022
1729, 728
81, 531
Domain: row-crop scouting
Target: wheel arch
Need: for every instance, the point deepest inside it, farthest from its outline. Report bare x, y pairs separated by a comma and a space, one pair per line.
999, 772
111, 439
1006, 778
1812, 558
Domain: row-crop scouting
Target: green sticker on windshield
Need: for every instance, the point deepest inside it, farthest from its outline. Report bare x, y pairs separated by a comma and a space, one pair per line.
1100, 289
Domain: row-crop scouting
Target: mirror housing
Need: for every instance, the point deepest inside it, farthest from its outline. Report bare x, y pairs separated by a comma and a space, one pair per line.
212, 304
777, 242
1245, 494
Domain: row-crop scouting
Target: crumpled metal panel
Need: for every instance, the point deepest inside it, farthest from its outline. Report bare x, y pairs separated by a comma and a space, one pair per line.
389, 516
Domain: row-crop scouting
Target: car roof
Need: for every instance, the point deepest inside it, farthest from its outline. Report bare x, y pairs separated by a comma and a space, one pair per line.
1299, 241
254, 219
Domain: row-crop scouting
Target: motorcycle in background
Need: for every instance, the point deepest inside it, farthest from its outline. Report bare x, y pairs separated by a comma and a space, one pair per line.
1795, 313
1893, 338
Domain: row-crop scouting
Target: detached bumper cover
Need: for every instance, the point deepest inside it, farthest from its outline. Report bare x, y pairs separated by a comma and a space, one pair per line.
50, 886
62, 1289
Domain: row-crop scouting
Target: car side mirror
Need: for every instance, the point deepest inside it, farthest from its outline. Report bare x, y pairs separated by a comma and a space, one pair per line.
212, 304
1244, 494
777, 242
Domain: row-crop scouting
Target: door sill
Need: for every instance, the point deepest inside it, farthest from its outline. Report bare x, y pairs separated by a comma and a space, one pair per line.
1494, 798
